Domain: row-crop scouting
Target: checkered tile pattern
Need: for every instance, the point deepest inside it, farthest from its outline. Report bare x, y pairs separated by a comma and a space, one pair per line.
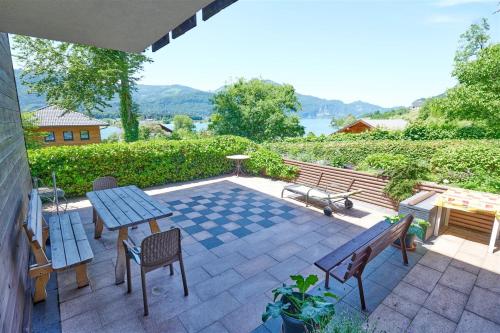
221, 216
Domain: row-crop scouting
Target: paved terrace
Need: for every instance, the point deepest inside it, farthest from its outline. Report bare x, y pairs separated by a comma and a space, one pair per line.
241, 241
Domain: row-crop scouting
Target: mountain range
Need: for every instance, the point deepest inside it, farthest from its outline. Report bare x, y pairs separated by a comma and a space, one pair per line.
158, 101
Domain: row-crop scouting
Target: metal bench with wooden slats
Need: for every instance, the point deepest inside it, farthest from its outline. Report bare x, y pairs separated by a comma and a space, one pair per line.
69, 246
350, 259
309, 186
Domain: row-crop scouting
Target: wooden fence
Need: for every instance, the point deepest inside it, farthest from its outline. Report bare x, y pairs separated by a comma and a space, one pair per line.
373, 191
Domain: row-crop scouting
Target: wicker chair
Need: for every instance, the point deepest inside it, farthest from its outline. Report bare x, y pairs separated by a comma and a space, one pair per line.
102, 183
156, 251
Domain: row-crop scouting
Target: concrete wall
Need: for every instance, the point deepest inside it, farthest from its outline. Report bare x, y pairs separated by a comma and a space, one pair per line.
94, 133
14, 185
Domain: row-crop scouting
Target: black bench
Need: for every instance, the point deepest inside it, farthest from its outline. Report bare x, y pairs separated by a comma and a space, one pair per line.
69, 246
351, 258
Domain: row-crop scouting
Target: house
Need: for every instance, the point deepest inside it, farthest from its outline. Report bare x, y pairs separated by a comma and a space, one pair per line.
366, 124
63, 127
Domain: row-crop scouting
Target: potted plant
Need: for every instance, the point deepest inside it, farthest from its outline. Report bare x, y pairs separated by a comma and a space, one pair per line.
301, 312
418, 228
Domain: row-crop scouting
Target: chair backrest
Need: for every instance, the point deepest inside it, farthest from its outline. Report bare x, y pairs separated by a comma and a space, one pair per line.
104, 183
396, 231
358, 262
161, 248
34, 227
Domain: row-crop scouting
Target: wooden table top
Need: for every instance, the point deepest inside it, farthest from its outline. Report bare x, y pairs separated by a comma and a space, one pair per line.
126, 206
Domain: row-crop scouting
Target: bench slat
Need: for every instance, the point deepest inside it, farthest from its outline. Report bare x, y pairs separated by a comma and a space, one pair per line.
328, 262
56, 243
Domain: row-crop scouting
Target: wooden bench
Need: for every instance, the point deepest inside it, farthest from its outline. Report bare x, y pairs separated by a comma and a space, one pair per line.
311, 186
351, 258
69, 246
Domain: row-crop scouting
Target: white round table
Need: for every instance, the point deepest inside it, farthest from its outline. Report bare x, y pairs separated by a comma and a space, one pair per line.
238, 159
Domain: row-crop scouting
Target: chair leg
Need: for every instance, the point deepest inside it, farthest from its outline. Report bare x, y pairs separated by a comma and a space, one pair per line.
403, 250
361, 293
171, 269
144, 292
94, 216
82, 279
183, 274
327, 280
41, 288
129, 275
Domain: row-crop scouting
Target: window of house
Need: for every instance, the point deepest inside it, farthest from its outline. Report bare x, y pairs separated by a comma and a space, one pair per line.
51, 137
84, 135
68, 135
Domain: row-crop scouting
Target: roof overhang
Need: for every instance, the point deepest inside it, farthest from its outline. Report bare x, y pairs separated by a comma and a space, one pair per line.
126, 25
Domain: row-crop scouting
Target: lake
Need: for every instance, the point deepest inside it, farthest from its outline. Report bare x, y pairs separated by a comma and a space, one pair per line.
317, 126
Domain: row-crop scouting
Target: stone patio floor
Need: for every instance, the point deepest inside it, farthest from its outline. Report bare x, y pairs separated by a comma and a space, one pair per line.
450, 285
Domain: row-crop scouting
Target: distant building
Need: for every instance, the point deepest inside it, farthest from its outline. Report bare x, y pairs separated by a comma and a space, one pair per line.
64, 127
366, 124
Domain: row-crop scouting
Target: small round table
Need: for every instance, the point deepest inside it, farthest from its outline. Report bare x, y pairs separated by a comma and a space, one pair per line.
239, 159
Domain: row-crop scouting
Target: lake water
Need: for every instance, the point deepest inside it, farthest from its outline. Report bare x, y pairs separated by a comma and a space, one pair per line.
317, 126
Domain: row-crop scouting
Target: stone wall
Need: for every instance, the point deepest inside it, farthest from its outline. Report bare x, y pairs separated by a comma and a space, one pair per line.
14, 186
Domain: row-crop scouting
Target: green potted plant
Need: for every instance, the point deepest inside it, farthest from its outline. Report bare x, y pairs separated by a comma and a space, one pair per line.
301, 312
418, 228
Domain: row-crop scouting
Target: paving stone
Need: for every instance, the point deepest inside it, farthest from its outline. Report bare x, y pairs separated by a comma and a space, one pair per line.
247, 317
205, 314
253, 286
309, 239
435, 260
199, 259
446, 302
216, 327
385, 319
285, 251
423, 277
388, 275
211, 287
402, 305
220, 265
227, 237
411, 293
485, 304
170, 325
130, 324
488, 280
85, 322
467, 262
291, 266
335, 241
430, 322
374, 295
471, 323
255, 265
458, 279
314, 253
202, 235
229, 248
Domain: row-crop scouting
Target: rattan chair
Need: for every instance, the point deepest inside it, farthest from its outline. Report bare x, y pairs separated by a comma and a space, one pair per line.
102, 183
156, 251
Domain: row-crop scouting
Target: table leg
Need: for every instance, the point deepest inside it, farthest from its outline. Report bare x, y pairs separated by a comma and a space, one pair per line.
153, 225
120, 258
494, 235
438, 220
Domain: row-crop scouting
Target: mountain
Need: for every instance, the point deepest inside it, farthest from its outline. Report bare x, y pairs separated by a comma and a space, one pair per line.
159, 101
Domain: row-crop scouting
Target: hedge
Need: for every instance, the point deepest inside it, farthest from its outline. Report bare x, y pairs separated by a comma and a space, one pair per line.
467, 163
149, 163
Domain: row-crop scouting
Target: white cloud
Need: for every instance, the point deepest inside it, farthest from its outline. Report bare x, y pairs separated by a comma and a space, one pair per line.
450, 3
443, 18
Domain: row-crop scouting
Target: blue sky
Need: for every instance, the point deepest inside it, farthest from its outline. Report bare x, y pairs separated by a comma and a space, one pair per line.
384, 52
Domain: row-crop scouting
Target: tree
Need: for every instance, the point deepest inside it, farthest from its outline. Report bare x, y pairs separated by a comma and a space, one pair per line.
342, 121
81, 78
476, 38
32, 135
183, 122
257, 110
476, 97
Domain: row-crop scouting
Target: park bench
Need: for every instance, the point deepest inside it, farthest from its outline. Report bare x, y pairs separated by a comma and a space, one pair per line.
69, 246
310, 186
350, 259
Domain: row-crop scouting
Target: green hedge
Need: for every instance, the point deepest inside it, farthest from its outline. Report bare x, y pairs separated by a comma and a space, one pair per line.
148, 163
467, 163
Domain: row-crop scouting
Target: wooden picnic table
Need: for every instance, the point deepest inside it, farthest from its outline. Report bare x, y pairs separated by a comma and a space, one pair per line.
123, 207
